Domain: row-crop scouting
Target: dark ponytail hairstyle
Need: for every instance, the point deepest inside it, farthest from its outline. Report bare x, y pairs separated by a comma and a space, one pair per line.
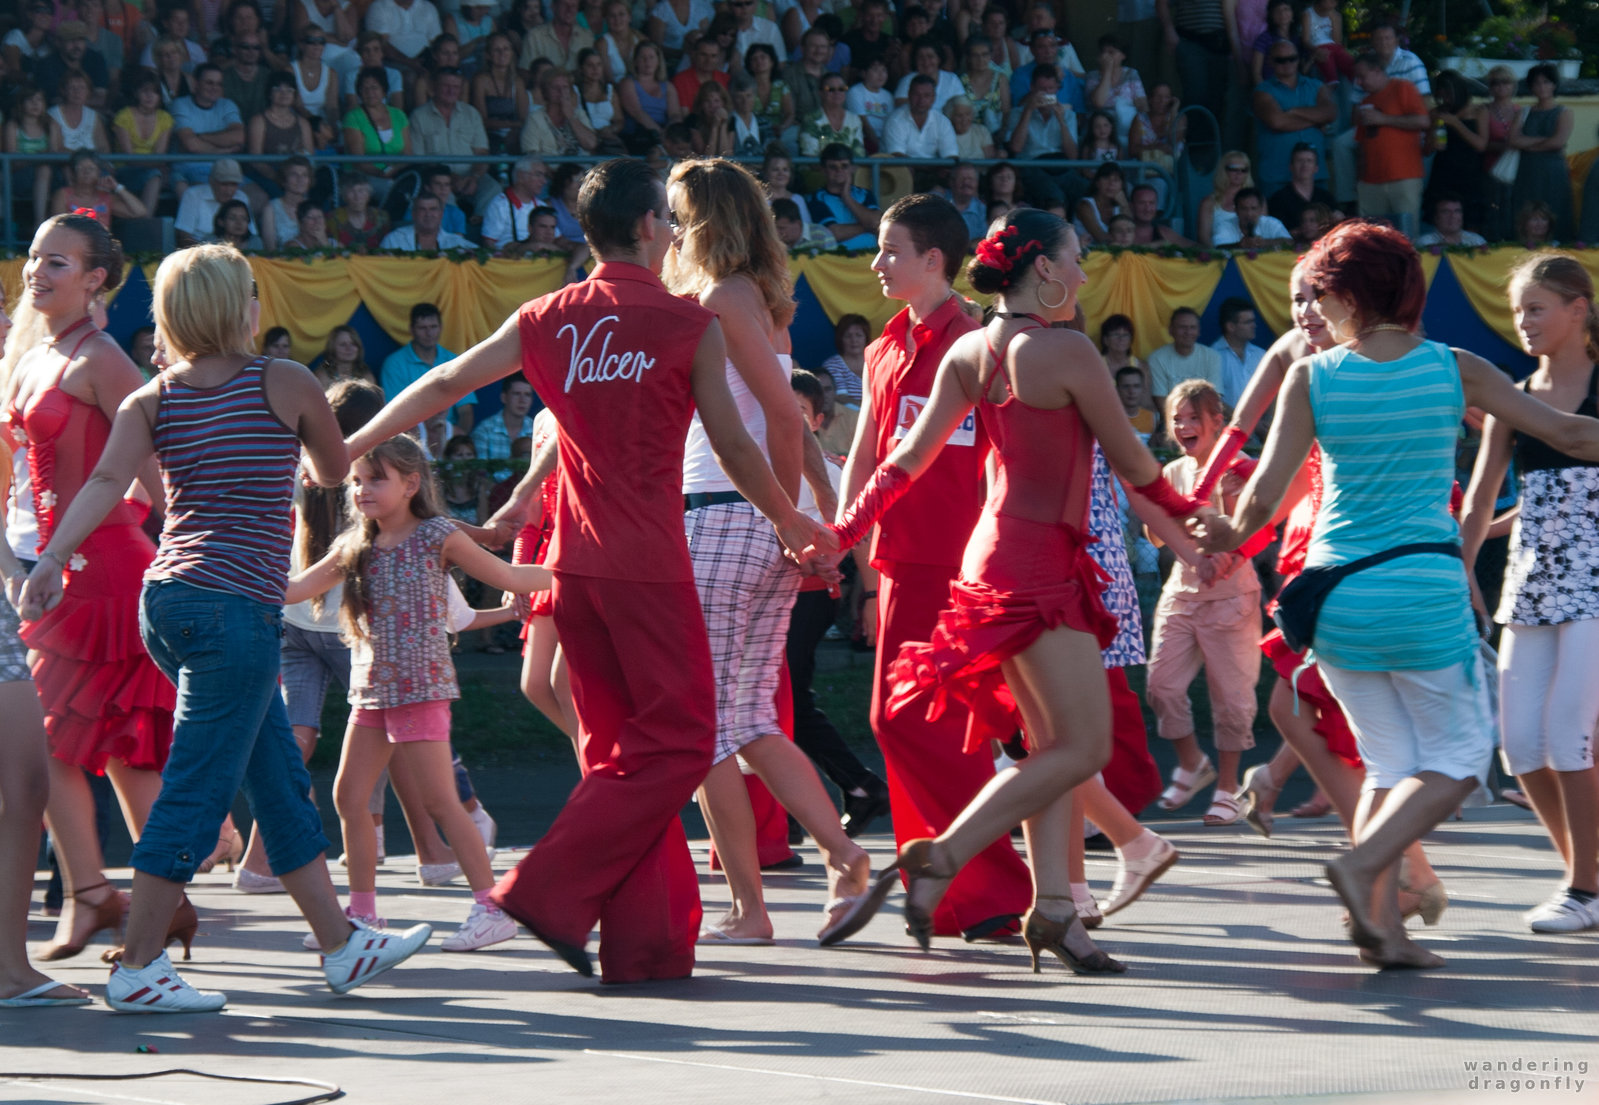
100, 250
1005, 257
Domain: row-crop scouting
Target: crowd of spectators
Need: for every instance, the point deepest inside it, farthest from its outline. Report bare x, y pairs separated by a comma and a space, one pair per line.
1312, 134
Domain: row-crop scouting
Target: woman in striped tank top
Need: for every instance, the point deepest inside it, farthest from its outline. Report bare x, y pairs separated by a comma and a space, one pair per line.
1385, 408
225, 428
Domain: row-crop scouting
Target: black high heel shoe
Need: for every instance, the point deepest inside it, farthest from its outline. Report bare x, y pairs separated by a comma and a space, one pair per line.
1045, 934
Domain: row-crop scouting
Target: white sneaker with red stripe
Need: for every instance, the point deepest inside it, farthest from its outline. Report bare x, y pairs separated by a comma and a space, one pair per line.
156, 988
369, 952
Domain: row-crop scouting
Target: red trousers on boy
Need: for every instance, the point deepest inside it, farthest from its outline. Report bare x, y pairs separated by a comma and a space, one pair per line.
645, 699
930, 780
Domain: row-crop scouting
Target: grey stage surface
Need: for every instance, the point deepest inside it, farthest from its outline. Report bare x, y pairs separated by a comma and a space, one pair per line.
1240, 988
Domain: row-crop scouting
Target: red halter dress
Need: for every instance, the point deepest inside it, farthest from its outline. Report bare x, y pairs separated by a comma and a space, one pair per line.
103, 697
533, 542
1026, 569
1332, 726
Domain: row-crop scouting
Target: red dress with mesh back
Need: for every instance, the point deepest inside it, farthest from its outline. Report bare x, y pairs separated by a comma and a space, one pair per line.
1026, 569
103, 697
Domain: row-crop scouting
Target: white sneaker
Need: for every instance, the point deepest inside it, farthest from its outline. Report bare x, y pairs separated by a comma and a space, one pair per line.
369, 952
1564, 913
156, 988
310, 943
486, 828
437, 874
484, 927
248, 882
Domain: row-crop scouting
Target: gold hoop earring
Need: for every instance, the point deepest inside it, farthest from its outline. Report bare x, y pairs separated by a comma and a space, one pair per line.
1065, 294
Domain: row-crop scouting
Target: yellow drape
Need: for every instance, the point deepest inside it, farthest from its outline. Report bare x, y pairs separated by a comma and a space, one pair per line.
310, 299
1145, 289
1484, 279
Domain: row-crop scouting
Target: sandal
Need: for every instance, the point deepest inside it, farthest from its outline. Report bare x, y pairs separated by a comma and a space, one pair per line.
1258, 796
1223, 809
1318, 806
1185, 785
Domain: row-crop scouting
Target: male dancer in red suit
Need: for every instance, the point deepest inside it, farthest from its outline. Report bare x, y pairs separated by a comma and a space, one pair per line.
622, 364
918, 550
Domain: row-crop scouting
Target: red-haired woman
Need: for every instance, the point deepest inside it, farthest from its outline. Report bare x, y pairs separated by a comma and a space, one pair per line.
1384, 408
1021, 642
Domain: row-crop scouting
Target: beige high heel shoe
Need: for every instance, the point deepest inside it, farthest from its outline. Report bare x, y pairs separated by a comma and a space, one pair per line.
1045, 934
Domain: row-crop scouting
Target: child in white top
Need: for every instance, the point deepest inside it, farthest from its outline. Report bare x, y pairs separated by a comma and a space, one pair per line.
1207, 615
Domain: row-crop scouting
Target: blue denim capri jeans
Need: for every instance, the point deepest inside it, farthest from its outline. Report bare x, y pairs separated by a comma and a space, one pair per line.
230, 728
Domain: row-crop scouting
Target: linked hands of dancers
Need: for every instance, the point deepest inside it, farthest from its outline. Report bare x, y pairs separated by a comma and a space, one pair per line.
42, 589
1213, 531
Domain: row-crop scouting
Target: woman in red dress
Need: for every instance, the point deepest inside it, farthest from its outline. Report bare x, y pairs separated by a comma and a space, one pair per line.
1020, 642
107, 707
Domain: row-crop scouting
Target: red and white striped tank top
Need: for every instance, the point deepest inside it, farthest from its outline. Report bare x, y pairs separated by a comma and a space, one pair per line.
228, 464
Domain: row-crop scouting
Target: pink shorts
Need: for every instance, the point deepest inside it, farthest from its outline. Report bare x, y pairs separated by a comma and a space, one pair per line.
415, 721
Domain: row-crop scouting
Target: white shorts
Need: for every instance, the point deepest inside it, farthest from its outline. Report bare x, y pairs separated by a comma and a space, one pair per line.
1549, 695
1406, 722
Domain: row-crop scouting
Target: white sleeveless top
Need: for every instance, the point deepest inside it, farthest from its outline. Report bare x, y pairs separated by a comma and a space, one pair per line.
701, 473
80, 137
314, 99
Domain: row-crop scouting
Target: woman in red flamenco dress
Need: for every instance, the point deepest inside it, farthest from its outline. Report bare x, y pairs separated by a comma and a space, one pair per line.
107, 707
1020, 642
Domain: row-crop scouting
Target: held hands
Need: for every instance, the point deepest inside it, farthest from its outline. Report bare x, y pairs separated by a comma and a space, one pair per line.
41, 591
1213, 531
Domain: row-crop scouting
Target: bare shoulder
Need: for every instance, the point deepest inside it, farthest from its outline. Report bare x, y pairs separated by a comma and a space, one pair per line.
733, 295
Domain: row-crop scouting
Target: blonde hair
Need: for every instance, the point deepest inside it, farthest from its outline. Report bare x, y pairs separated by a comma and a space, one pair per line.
1218, 180
1501, 72
1201, 393
727, 230
404, 456
1564, 276
202, 302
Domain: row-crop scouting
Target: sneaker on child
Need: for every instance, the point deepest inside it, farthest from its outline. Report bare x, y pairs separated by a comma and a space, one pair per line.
157, 988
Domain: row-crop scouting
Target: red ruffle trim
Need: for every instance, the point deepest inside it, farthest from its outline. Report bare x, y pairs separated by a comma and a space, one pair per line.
981, 629
1331, 725
102, 695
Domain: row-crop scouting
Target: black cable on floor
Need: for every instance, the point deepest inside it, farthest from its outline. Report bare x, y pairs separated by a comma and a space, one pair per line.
329, 1092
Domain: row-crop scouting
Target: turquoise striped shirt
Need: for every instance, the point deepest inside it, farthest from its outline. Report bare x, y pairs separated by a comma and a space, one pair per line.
1387, 431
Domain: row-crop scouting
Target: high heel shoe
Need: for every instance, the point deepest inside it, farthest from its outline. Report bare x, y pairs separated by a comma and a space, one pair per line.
108, 914
916, 861
229, 850
184, 924
1047, 934
1431, 901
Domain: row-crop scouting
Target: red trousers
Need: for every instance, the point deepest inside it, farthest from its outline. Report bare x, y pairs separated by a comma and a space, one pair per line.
930, 780
645, 699
1131, 775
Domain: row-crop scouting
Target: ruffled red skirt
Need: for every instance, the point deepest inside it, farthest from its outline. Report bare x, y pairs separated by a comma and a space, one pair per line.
102, 695
1019, 579
1332, 726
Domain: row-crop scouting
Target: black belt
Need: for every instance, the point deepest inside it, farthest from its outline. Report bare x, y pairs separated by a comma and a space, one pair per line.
711, 498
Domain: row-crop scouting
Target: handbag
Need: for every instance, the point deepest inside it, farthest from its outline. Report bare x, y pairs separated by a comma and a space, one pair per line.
1504, 170
1299, 603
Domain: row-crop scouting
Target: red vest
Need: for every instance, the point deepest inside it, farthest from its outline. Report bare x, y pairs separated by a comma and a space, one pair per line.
931, 524
612, 358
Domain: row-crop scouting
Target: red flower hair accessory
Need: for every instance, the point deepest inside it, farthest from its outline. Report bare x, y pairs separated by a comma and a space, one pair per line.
991, 250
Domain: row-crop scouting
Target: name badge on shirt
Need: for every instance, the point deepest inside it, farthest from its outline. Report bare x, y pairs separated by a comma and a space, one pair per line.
910, 409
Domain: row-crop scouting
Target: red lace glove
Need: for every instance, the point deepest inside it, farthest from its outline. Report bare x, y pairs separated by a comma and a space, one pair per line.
1165, 496
1227, 450
882, 491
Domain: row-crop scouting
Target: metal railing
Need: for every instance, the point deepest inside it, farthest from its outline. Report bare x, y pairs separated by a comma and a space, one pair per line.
1136, 172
